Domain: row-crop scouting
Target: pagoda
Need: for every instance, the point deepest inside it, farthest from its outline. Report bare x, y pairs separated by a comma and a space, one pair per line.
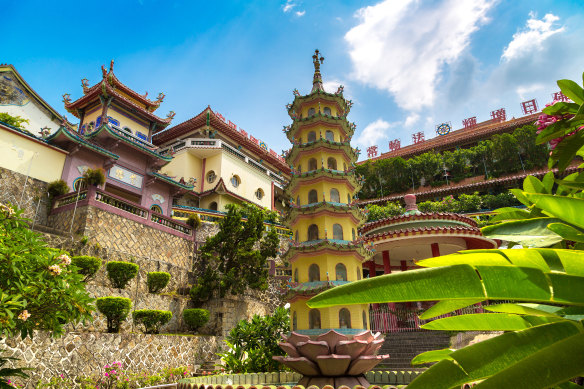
329, 346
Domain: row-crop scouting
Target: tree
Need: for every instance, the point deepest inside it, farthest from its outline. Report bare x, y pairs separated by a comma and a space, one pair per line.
235, 258
14, 121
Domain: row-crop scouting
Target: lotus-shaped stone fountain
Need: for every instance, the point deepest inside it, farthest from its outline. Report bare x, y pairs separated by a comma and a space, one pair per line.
332, 358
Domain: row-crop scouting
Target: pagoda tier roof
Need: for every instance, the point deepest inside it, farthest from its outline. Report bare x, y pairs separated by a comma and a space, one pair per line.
507, 181
328, 208
344, 106
330, 246
322, 143
171, 181
459, 137
209, 118
65, 134
339, 122
420, 217
323, 174
221, 188
311, 288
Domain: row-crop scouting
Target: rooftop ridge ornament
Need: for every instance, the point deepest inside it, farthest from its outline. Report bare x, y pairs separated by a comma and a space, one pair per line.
317, 79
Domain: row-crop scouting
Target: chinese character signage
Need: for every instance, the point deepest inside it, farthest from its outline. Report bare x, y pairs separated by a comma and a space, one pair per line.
469, 122
126, 176
371, 151
499, 114
529, 107
418, 137
394, 145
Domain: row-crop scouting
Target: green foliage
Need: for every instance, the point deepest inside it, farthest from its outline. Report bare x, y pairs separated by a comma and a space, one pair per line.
14, 121
195, 318
157, 280
39, 290
115, 309
120, 273
86, 265
235, 258
6, 372
94, 176
58, 188
151, 319
194, 221
253, 343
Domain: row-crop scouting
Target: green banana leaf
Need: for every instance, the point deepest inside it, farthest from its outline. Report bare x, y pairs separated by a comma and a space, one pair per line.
569, 209
528, 233
432, 356
488, 322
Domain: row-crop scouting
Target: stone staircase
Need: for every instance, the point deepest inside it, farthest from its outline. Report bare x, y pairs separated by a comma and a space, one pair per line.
402, 347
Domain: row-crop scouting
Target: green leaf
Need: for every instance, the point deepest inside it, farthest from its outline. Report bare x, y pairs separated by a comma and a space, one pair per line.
567, 232
568, 209
529, 233
518, 193
548, 182
432, 356
567, 149
510, 213
447, 306
525, 309
488, 322
561, 107
532, 185
572, 90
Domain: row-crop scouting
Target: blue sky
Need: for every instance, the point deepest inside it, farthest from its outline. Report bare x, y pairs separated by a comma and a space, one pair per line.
407, 65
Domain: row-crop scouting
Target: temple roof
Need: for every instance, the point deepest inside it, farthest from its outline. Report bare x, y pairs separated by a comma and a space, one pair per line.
335, 246
327, 207
67, 134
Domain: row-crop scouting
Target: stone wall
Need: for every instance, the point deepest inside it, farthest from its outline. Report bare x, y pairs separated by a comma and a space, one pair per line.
84, 354
29, 194
463, 339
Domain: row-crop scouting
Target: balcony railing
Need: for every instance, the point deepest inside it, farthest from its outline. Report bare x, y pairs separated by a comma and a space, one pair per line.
132, 138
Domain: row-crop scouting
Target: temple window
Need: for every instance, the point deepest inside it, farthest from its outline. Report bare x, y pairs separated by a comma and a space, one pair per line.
329, 135
341, 272
113, 121
364, 320
296, 275
313, 273
311, 112
337, 232
156, 208
344, 318
311, 136
235, 181
353, 233
294, 321
127, 129
211, 176
335, 196
259, 194
358, 273
331, 163
314, 319
299, 168
312, 164
327, 111
312, 196
213, 206
313, 232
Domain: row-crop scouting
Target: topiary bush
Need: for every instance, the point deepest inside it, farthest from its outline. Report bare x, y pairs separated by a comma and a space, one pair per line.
94, 176
58, 188
195, 318
120, 273
157, 280
116, 310
194, 220
86, 265
151, 319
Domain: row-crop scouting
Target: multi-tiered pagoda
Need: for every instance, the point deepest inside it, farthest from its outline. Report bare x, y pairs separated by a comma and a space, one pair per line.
329, 345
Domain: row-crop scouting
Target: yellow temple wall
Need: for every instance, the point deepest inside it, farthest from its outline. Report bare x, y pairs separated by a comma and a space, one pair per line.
324, 221
329, 317
327, 263
322, 160
24, 155
250, 180
302, 192
92, 116
127, 122
186, 165
303, 133
314, 105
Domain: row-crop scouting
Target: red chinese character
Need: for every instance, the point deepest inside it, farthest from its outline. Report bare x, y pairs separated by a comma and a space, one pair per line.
559, 96
231, 124
499, 114
273, 153
371, 151
254, 140
394, 145
418, 137
242, 132
219, 116
529, 107
470, 122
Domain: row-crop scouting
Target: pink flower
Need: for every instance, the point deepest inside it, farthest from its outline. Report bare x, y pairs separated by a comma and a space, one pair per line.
55, 270
24, 315
65, 260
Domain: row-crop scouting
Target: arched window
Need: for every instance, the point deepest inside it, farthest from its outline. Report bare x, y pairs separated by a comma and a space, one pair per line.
344, 167
213, 206
344, 318
294, 321
211, 177
299, 168
296, 237
314, 319
313, 232
311, 111
156, 208
353, 233
364, 320
331, 163
296, 275
358, 273
327, 111
329, 135
313, 273
341, 272
337, 231
311, 136
312, 164
259, 194
235, 181
335, 197
348, 198
312, 196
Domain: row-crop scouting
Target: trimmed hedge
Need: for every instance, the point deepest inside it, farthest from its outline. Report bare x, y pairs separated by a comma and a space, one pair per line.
194, 221
120, 273
87, 265
157, 280
57, 188
116, 310
151, 319
195, 318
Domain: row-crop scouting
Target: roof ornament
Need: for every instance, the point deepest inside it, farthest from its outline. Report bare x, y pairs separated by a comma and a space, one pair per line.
145, 94
317, 79
160, 97
84, 83
111, 69
67, 98
44, 132
170, 115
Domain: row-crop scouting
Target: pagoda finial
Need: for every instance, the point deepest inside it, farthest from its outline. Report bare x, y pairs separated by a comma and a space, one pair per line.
317, 79
111, 66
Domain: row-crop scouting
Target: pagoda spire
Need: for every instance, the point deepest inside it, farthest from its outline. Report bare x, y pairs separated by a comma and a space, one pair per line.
317, 79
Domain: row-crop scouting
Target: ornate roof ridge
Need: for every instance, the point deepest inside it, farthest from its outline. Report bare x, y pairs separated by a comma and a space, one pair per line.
171, 181
421, 216
407, 231
75, 137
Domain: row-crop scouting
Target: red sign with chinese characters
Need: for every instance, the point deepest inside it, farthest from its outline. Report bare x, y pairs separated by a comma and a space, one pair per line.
394, 145
418, 137
371, 151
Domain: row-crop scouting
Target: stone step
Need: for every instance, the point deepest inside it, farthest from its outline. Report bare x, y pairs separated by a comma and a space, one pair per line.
402, 347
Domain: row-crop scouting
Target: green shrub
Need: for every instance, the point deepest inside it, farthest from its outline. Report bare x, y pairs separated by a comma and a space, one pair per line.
151, 319
94, 176
115, 309
120, 273
194, 220
157, 280
58, 188
88, 266
195, 318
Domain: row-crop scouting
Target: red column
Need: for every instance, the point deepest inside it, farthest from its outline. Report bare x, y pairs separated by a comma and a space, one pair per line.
435, 250
386, 266
371, 265
203, 175
404, 265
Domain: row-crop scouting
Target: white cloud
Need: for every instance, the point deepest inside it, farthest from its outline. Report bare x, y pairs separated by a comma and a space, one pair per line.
532, 37
373, 132
411, 120
289, 6
526, 91
402, 47
300, 13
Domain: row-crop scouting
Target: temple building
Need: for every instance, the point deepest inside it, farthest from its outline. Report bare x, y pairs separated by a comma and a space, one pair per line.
326, 250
